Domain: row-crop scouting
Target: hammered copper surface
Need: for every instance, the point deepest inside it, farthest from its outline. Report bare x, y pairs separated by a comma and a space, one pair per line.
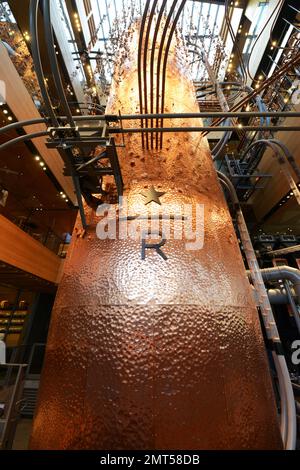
157, 354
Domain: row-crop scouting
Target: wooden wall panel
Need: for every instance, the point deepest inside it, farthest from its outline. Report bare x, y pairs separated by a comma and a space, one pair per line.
21, 104
19, 249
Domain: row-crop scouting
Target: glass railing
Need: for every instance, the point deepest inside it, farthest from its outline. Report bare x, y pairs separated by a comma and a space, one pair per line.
30, 223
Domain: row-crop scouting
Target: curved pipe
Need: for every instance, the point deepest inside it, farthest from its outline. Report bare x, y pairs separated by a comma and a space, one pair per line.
288, 419
33, 24
283, 155
276, 76
285, 273
139, 64
279, 296
145, 56
161, 11
288, 155
23, 138
53, 60
160, 52
17, 125
261, 107
180, 8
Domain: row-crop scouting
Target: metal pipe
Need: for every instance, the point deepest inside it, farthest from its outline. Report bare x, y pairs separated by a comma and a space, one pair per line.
288, 416
33, 13
139, 64
276, 76
53, 60
175, 21
17, 125
207, 129
152, 62
23, 138
129, 130
279, 296
212, 114
288, 155
285, 273
283, 377
129, 117
159, 57
284, 156
145, 56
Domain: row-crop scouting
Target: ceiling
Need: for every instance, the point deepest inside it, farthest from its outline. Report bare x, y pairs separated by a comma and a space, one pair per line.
200, 23
32, 194
16, 278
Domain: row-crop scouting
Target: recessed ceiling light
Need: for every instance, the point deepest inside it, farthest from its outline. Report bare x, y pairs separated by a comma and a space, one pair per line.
10, 118
37, 158
5, 111
42, 163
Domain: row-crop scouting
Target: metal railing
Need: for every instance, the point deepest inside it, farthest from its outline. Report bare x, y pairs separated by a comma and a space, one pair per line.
12, 378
